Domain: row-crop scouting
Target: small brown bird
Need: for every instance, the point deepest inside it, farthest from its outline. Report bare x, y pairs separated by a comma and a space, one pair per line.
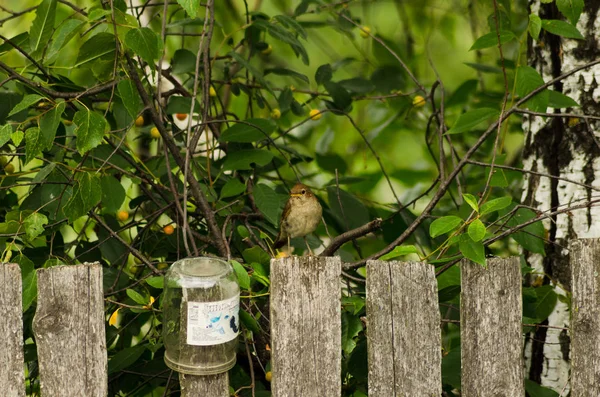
301, 215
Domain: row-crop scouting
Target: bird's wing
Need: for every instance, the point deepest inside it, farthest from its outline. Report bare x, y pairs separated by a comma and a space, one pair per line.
284, 215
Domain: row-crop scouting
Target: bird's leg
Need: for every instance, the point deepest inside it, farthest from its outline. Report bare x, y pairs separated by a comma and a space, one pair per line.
289, 246
308, 246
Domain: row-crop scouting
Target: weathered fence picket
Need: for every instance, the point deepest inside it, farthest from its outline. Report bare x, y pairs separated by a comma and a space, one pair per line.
490, 329
69, 331
585, 326
12, 377
403, 329
306, 327
403, 322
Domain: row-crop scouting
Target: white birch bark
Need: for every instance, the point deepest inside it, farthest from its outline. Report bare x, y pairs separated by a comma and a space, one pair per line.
556, 147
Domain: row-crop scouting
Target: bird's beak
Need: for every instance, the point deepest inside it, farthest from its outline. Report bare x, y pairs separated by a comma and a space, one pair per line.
295, 195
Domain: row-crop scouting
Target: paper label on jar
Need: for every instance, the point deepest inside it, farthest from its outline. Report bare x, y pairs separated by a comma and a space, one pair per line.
213, 323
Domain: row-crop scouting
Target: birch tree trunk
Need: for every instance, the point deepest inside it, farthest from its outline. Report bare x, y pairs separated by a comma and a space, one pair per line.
566, 148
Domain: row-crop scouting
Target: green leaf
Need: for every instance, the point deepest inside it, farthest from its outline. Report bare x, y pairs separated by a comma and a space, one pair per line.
246, 159
268, 202
250, 130
89, 129
341, 97
232, 188
125, 358
86, 195
34, 144
249, 322
290, 22
561, 28
558, 100
136, 297
476, 230
131, 98
5, 134
471, 200
34, 224
145, 43
29, 280
472, 250
331, 162
17, 137
357, 85
471, 119
495, 205
280, 33
571, 9
98, 46
444, 225
191, 7
349, 210
536, 390
41, 29
324, 74
535, 26
63, 35
491, 39
287, 72
113, 193
180, 104
483, 68
26, 102
157, 282
242, 275
49, 123
183, 61
463, 93
256, 254
531, 237
545, 302
351, 327
528, 79
400, 250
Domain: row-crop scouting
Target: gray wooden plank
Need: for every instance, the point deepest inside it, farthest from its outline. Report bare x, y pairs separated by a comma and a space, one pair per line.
490, 325
205, 386
403, 330
585, 332
69, 331
306, 326
12, 375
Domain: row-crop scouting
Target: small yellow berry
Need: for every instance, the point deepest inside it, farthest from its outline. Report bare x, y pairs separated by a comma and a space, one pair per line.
122, 215
268, 376
67, 122
134, 269
276, 114
365, 32
573, 121
281, 254
181, 116
162, 266
292, 88
9, 169
212, 92
168, 230
154, 133
315, 114
3, 161
139, 122
418, 101
267, 50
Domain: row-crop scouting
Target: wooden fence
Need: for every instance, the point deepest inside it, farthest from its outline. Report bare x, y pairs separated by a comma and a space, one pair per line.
403, 327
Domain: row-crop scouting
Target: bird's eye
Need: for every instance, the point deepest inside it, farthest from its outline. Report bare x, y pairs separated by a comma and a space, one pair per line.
303, 191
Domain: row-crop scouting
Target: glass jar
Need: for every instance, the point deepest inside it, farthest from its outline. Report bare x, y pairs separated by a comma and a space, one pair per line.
201, 303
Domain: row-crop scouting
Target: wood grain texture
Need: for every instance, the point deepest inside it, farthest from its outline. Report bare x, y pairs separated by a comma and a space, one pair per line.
585, 344
12, 375
490, 325
306, 327
69, 331
206, 385
403, 330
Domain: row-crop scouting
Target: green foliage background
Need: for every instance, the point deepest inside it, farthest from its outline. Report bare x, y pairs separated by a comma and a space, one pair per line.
73, 156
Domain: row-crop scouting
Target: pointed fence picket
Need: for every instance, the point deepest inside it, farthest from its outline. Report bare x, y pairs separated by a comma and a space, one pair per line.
403, 329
